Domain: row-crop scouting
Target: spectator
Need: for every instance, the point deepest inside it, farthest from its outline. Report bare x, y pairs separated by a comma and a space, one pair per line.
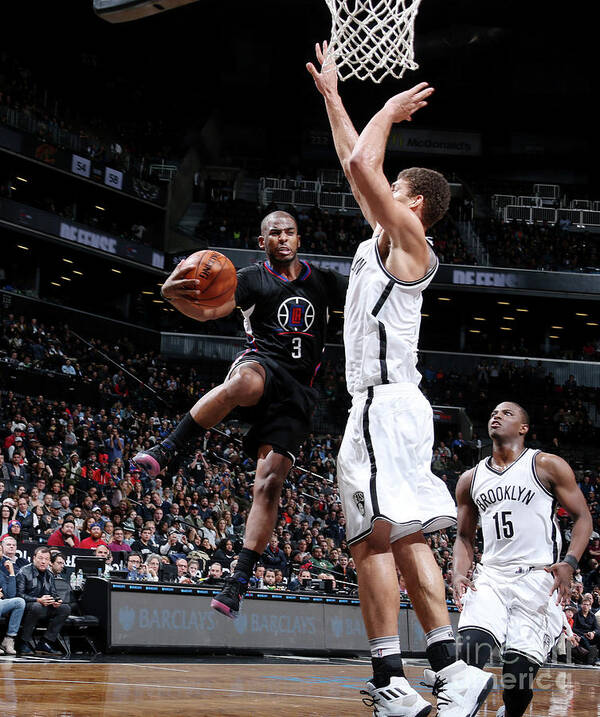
224, 553
118, 542
36, 585
134, 564
274, 557
65, 535
214, 577
151, 567
145, 545
586, 628
9, 551
270, 582
95, 538
10, 605
28, 519
344, 573
63, 587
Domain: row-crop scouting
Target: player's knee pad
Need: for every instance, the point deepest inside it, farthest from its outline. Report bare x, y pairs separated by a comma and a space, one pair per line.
475, 646
518, 676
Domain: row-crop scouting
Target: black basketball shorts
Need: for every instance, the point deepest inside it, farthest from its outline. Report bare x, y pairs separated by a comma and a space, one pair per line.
283, 416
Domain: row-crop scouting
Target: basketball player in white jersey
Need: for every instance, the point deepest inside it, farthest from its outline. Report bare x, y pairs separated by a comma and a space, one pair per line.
389, 494
515, 596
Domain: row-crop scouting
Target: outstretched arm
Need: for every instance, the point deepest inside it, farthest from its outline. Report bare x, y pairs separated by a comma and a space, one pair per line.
342, 129
401, 224
182, 292
556, 474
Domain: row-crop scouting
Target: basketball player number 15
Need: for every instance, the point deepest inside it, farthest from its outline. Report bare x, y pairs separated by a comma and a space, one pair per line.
296, 347
504, 526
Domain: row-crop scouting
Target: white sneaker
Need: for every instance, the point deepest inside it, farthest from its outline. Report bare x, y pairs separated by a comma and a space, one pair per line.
398, 699
460, 689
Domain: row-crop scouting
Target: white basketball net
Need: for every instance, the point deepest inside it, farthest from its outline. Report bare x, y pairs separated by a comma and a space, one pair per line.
371, 39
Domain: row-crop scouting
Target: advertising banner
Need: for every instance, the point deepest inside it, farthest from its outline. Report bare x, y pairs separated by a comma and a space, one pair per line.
432, 141
81, 234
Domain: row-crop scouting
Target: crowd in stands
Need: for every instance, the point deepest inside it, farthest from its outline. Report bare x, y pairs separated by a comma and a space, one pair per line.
538, 246
66, 479
235, 223
46, 108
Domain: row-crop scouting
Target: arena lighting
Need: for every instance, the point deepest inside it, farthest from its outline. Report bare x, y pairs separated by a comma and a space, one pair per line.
100, 208
508, 318
79, 273
503, 303
425, 315
577, 313
523, 310
553, 337
68, 261
126, 10
22, 246
591, 323
474, 331
557, 327
479, 318
117, 271
22, 179
66, 278
55, 283
13, 188
148, 293
157, 301
443, 298
505, 328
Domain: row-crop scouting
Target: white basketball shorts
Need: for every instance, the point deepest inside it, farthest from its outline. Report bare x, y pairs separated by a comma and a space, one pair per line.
515, 608
384, 465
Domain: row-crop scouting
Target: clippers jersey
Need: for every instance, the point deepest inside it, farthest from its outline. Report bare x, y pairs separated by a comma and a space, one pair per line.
287, 320
518, 514
382, 318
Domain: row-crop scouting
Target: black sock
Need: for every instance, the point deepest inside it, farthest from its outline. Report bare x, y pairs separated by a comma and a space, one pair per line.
441, 654
245, 564
386, 667
185, 430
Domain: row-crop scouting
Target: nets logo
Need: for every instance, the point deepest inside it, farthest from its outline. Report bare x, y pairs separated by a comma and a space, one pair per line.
296, 314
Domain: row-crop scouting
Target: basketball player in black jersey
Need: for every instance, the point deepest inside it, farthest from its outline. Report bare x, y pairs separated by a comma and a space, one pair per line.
521, 539
285, 303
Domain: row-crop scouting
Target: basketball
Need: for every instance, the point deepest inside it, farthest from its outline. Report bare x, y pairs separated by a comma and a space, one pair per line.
217, 276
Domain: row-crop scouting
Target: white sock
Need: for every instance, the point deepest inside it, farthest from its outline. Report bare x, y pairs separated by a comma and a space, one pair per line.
382, 646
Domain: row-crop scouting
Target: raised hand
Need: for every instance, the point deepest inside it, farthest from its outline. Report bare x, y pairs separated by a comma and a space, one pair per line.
326, 80
405, 104
177, 287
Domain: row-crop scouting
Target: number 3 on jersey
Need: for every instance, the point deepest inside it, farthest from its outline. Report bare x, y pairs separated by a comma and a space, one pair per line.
504, 526
296, 347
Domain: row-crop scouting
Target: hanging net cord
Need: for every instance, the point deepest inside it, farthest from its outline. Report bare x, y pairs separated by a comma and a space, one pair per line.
371, 39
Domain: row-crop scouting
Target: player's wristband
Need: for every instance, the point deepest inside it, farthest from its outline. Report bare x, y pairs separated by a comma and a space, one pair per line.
571, 560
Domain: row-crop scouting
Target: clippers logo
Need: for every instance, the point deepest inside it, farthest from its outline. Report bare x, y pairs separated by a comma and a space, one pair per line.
359, 499
296, 314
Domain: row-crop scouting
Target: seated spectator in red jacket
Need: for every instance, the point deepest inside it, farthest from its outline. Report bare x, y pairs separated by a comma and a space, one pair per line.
65, 535
118, 541
95, 538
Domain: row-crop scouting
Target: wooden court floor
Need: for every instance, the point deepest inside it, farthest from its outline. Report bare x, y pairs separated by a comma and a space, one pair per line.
287, 688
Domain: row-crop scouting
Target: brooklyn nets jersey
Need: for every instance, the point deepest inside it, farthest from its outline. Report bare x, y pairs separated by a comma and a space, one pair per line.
518, 514
382, 318
287, 320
